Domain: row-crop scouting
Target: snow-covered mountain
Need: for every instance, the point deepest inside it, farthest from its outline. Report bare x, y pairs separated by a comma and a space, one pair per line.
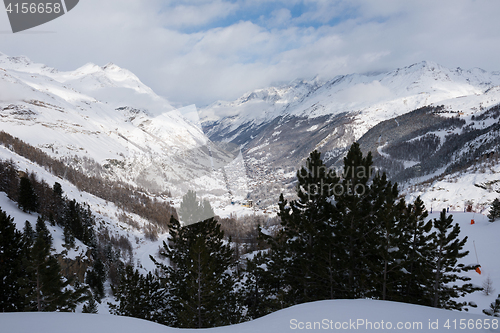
377, 96
106, 113
279, 126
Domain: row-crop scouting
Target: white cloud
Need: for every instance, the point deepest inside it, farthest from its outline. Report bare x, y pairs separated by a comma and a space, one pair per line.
367, 92
196, 13
221, 61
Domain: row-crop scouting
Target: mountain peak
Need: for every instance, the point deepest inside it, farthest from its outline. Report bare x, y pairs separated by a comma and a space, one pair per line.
111, 67
425, 65
88, 68
19, 60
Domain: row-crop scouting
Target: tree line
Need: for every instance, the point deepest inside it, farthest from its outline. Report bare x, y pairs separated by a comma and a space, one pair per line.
125, 196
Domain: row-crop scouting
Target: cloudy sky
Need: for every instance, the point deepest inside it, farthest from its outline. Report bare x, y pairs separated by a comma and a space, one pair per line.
199, 51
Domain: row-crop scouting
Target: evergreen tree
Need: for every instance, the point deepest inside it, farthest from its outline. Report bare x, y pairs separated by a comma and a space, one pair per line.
494, 309
417, 268
57, 189
10, 265
9, 182
310, 269
494, 213
77, 223
90, 306
138, 296
447, 249
44, 286
262, 290
72, 220
58, 204
355, 223
28, 235
385, 240
69, 239
43, 235
25, 278
96, 277
198, 280
27, 199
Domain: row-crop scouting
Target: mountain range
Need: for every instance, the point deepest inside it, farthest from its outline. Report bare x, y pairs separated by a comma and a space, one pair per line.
419, 122
434, 130
422, 123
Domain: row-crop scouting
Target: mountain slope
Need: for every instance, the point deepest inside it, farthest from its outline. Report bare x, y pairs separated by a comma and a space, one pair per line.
278, 127
106, 113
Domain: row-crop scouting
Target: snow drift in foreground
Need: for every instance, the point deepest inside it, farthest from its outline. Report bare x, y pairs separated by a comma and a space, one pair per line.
336, 315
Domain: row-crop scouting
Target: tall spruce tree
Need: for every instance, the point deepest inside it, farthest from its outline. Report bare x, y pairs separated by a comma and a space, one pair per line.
44, 287
58, 204
355, 223
494, 213
307, 226
417, 267
27, 199
267, 286
96, 277
199, 282
28, 235
385, 239
138, 296
447, 249
10, 265
261, 291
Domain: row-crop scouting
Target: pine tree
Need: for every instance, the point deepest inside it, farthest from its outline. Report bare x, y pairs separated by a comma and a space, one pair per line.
192, 211
69, 239
27, 199
385, 239
199, 283
10, 265
25, 277
355, 223
262, 290
90, 306
138, 296
28, 235
58, 204
9, 182
417, 268
96, 277
44, 286
310, 272
447, 249
494, 309
494, 213
77, 223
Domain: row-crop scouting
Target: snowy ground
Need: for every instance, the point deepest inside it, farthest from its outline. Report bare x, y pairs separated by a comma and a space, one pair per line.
479, 185
337, 315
